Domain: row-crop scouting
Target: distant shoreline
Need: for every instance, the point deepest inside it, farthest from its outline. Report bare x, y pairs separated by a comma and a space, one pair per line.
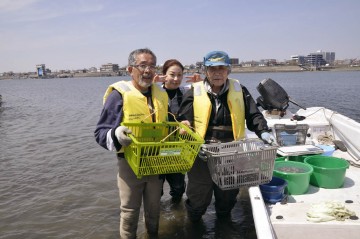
234, 69
261, 69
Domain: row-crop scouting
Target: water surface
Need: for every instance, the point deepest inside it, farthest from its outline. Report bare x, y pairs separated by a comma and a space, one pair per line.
56, 182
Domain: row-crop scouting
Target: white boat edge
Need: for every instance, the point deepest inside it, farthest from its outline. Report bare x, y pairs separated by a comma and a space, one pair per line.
289, 220
263, 226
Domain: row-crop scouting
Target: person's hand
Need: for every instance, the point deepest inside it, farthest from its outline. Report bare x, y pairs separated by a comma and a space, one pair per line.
121, 136
202, 155
187, 123
159, 78
268, 138
194, 78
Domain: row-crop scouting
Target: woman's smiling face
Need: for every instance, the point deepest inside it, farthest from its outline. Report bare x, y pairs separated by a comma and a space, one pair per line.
174, 76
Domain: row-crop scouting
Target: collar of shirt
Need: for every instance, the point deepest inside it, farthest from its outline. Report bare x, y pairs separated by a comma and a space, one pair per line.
222, 91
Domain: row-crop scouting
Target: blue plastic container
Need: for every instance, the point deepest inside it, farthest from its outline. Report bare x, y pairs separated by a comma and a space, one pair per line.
328, 149
273, 191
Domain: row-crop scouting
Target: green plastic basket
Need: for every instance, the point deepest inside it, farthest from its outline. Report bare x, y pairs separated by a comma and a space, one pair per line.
160, 148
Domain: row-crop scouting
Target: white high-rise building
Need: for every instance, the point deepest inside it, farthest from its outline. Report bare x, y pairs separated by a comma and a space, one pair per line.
329, 57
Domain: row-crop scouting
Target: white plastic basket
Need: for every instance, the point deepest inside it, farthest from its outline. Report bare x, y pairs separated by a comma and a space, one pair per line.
240, 163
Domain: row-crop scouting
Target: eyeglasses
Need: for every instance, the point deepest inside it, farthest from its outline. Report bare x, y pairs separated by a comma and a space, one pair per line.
143, 67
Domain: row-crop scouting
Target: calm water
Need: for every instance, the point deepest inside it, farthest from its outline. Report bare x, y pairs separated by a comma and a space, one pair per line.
56, 182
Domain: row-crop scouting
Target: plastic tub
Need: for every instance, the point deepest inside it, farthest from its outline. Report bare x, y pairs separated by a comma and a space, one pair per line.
328, 149
273, 191
280, 159
329, 172
297, 158
296, 174
292, 134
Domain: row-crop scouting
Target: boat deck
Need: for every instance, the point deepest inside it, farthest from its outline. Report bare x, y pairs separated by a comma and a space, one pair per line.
289, 219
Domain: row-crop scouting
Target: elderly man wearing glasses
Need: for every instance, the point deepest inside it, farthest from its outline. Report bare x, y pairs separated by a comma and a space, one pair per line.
134, 101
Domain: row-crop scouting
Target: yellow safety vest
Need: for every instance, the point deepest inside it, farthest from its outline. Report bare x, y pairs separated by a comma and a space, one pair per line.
202, 108
135, 105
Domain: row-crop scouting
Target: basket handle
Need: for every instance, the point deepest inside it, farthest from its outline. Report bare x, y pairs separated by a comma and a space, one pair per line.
162, 141
177, 128
148, 116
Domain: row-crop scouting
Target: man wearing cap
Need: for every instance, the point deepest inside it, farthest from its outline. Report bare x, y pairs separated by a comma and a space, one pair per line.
217, 108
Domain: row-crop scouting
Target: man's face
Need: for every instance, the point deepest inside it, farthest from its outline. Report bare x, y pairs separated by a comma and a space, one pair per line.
143, 71
217, 75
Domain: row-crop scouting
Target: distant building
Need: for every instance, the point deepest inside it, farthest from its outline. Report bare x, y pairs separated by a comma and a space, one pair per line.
81, 71
262, 63
199, 65
109, 67
267, 62
234, 61
300, 60
315, 59
319, 58
250, 64
329, 57
93, 69
40, 70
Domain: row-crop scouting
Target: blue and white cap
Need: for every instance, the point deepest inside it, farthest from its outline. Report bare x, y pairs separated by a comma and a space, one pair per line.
217, 58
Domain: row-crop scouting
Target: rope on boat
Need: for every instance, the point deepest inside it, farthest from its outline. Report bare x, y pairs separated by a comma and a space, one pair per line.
326, 139
322, 108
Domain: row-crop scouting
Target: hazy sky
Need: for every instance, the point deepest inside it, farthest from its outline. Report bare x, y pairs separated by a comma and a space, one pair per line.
76, 34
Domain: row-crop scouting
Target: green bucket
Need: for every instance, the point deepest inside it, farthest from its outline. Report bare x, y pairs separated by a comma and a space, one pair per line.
296, 174
297, 158
329, 172
280, 159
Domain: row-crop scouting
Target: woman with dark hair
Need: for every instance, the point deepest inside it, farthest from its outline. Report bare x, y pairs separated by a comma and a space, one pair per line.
173, 73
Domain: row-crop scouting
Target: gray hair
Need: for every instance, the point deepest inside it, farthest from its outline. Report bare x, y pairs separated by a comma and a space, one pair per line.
135, 53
